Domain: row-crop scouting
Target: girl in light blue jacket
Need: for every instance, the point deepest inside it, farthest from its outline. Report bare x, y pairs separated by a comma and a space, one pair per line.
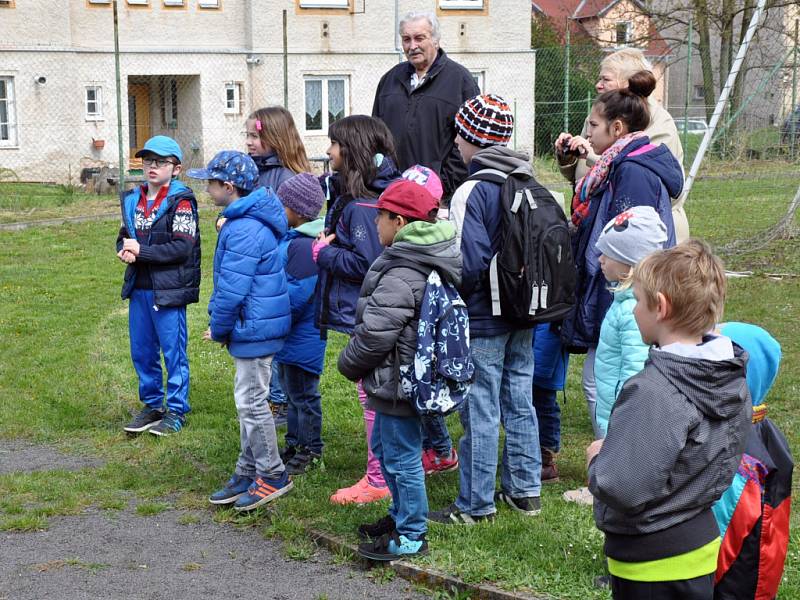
621, 353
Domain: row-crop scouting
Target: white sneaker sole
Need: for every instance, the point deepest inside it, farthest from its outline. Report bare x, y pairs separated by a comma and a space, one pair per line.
141, 429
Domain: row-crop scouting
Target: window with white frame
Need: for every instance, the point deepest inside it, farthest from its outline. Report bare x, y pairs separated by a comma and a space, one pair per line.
94, 102
139, 2
168, 96
623, 33
173, 2
461, 4
699, 92
478, 77
208, 3
326, 101
233, 98
100, 2
324, 3
8, 113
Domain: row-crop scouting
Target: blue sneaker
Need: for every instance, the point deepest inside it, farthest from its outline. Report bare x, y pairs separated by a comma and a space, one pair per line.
171, 423
392, 546
263, 490
235, 488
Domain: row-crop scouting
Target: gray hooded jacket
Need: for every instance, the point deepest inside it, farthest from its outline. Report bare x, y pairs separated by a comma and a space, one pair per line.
675, 438
387, 312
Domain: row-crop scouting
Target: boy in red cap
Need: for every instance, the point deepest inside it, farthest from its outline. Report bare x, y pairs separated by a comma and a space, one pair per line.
384, 339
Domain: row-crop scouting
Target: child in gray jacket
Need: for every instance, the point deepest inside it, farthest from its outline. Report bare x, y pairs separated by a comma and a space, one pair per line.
675, 435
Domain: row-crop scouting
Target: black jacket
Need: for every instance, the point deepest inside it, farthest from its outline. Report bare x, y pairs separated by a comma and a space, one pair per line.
173, 262
422, 121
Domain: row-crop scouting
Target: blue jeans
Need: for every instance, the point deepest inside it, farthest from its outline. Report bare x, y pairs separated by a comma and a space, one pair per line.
304, 414
435, 435
276, 393
397, 444
501, 392
548, 415
153, 332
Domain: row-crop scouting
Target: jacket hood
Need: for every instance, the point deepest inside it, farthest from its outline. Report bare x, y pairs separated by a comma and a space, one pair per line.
713, 386
387, 173
267, 162
432, 245
765, 356
311, 228
263, 205
661, 162
501, 158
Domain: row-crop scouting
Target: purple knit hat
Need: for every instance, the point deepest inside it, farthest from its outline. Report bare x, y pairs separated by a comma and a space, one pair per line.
303, 194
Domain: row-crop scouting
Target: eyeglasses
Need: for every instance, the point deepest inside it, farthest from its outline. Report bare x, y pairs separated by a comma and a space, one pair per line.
158, 162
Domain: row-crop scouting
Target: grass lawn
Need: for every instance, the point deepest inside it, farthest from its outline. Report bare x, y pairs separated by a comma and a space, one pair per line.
66, 379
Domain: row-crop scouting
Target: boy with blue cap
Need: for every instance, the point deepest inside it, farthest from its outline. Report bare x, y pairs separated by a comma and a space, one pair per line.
250, 315
160, 242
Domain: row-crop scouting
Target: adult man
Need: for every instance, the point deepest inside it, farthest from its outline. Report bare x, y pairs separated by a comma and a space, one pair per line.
418, 100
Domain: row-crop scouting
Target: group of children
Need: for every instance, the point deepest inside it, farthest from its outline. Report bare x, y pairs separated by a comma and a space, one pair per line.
673, 408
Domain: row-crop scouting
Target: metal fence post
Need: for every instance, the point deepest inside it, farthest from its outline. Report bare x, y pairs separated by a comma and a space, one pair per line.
566, 79
792, 108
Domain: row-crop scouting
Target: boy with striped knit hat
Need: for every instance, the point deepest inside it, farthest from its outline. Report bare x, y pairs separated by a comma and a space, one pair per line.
501, 350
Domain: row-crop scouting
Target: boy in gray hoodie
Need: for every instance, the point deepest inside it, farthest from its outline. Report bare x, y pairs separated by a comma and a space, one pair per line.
676, 433
385, 339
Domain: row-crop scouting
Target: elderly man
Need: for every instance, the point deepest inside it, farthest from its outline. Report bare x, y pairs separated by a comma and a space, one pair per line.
418, 100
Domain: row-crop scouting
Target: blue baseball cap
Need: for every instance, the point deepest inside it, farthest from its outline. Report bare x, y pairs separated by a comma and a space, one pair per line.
161, 145
232, 166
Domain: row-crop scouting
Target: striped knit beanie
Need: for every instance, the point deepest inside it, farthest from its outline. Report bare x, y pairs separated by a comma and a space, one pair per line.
485, 121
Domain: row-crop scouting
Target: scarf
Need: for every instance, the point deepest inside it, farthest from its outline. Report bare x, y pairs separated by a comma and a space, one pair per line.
589, 183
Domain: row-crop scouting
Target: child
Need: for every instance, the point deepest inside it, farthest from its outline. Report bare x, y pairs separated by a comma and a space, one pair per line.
249, 314
753, 513
501, 350
275, 146
621, 353
303, 353
362, 154
385, 338
160, 242
630, 171
676, 433
438, 454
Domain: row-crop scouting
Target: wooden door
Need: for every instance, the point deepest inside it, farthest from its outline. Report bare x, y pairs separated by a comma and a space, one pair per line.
138, 120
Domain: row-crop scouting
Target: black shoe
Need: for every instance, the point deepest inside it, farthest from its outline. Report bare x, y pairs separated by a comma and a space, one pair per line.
602, 582
302, 461
280, 413
371, 531
392, 546
452, 514
530, 506
287, 454
147, 418
170, 424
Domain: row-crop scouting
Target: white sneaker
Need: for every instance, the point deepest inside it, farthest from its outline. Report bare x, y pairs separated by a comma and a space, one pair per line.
579, 496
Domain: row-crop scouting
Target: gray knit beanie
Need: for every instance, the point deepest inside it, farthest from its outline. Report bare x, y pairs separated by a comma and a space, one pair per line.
632, 235
303, 194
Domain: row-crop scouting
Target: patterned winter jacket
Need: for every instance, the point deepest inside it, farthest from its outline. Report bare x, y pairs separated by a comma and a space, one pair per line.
385, 335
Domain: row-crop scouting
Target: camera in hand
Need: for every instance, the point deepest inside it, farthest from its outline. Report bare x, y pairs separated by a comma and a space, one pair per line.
566, 151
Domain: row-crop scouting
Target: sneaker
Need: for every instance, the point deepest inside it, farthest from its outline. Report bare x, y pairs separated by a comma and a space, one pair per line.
147, 418
360, 493
287, 453
602, 582
452, 514
280, 413
530, 506
302, 461
549, 468
235, 488
392, 546
433, 463
263, 490
171, 423
579, 496
371, 531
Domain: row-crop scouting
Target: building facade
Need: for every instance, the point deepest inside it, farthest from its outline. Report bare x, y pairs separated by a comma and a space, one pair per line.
194, 69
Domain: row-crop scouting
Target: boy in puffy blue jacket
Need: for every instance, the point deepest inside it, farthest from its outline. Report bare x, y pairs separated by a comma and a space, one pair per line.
303, 355
249, 314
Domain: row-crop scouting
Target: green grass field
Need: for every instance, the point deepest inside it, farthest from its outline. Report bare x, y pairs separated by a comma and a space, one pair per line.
66, 379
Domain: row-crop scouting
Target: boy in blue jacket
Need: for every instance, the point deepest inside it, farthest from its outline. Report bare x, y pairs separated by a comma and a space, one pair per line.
302, 356
249, 314
160, 242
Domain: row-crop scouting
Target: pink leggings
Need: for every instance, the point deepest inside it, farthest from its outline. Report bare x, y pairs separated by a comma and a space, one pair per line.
374, 474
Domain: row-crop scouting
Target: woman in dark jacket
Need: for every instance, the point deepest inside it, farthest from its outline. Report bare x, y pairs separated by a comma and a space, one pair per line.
630, 172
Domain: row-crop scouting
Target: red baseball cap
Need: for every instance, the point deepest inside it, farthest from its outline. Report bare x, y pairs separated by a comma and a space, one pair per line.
406, 198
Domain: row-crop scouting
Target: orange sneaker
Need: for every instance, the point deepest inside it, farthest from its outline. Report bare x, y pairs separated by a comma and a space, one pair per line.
360, 493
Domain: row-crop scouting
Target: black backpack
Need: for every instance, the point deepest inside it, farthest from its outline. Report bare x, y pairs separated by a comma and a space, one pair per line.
532, 277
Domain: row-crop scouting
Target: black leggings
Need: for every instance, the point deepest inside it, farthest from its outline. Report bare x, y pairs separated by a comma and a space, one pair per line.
699, 588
